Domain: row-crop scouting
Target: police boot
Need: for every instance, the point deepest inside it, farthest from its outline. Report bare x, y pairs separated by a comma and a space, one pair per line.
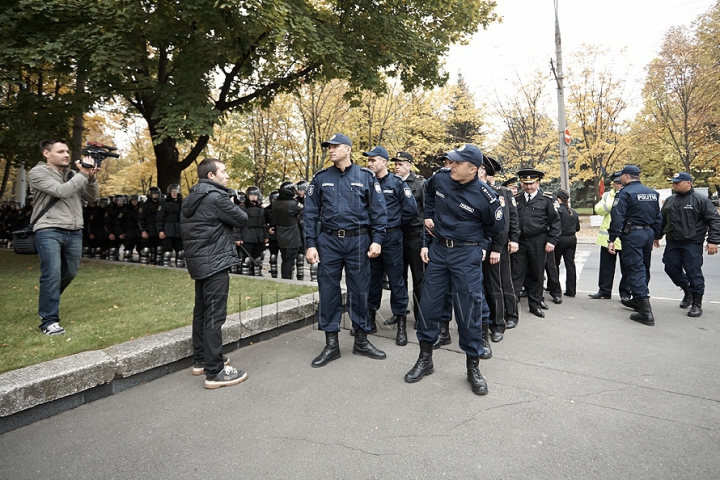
444, 337
476, 380
687, 298
364, 347
696, 308
401, 337
392, 320
644, 315
633, 303
330, 352
313, 272
423, 366
373, 323
300, 265
273, 265
487, 351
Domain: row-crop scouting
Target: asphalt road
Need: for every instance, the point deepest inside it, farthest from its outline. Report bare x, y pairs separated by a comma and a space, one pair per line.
582, 393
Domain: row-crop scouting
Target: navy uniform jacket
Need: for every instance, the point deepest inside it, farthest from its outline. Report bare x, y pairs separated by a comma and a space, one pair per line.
538, 216
687, 217
511, 231
417, 187
467, 212
345, 201
636, 204
399, 201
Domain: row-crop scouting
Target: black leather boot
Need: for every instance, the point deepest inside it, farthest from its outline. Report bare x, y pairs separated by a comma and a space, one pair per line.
423, 366
401, 337
392, 320
633, 303
364, 347
487, 351
373, 324
696, 307
444, 337
644, 315
476, 380
687, 297
330, 352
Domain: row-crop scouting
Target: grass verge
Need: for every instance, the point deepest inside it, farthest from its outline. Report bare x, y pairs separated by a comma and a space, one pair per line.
107, 303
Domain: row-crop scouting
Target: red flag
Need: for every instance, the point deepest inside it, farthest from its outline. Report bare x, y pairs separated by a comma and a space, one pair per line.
602, 188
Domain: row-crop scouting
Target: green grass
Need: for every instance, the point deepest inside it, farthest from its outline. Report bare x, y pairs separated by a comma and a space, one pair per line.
107, 303
584, 210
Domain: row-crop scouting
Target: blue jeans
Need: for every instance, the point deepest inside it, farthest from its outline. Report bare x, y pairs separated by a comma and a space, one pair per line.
59, 251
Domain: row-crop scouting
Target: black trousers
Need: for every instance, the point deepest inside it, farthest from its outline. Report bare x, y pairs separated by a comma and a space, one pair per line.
511, 299
607, 274
498, 284
565, 251
289, 258
254, 249
553, 276
411, 258
528, 265
172, 243
209, 315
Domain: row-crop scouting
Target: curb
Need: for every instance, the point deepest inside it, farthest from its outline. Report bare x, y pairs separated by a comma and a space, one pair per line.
39, 391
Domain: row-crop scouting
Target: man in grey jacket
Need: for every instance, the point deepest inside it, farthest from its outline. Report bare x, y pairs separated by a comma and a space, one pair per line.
207, 222
58, 234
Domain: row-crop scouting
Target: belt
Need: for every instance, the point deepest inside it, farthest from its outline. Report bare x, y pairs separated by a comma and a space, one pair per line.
639, 227
444, 242
392, 229
346, 233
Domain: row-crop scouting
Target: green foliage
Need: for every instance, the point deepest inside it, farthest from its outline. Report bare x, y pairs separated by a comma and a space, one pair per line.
108, 303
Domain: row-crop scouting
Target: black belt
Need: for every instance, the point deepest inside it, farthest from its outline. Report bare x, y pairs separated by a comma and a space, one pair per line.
392, 229
444, 242
639, 227
346, 233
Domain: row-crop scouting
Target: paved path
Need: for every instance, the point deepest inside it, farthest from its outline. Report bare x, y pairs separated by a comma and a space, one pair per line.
583, 393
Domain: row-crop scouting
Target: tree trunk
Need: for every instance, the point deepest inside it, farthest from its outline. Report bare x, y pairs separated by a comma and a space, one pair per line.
168, 167
6, 176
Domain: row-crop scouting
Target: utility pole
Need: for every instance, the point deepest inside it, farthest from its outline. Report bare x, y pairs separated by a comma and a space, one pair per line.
562, 124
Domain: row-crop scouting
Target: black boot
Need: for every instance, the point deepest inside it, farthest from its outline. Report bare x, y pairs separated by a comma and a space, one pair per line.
687, 297
392, 320
487, 353
330, 352
476, 380
373, 324
444, 337
423, 366
401, 338
633, 303
644, 315
364, 347
696, 308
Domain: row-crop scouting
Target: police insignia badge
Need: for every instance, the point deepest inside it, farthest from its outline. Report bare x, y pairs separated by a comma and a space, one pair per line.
408, 193
513, 202
502, 201
498, 214
616, 201
377, 188
311, 188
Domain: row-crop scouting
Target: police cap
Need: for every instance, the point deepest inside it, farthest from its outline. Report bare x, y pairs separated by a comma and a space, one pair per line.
681, 177
466, 153
632, 170
403, 157
377, 151
530, 175
509, 181
337, 139
491, 165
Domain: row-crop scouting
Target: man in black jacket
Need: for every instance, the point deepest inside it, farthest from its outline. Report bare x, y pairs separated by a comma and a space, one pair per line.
686, 218
208, 219
285, 215
168, 221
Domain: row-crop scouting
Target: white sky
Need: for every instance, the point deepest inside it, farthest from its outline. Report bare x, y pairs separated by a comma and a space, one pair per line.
525, 41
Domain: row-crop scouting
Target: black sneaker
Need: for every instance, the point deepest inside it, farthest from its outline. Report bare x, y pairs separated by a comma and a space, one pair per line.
227, 377
199, 368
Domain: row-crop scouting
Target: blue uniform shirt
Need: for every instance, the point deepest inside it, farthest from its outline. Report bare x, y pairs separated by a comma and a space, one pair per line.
467, 212
399, 201
345, 200
636, 204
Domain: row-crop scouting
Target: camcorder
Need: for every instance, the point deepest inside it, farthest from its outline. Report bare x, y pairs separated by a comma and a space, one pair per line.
98, 152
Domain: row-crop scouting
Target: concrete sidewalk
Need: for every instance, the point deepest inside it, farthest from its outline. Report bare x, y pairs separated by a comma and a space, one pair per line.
582, 393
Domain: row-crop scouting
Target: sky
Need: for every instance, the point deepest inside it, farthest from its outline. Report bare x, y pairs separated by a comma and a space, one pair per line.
525, 40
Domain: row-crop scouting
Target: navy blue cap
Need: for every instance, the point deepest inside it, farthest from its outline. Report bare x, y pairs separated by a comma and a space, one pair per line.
466, 153
337, 139
633, 170
681, 177
616, 177
377, 151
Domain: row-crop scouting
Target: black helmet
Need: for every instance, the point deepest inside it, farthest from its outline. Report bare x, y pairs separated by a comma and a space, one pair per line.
254, 191
154, 193
120, 200
274, 195
241, 196
135, 197
302, 185
289, 188
232, 192
104, 202
171, 187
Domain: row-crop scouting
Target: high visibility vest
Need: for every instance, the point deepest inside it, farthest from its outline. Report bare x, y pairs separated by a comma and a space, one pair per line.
603, 207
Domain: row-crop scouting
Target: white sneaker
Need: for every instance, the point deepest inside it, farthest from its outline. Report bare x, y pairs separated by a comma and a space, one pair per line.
54, 329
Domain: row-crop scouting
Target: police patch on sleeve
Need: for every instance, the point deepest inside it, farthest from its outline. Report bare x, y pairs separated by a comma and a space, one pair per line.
377, 188
311, 189
408, 193
616, 201
498, 214
501, 199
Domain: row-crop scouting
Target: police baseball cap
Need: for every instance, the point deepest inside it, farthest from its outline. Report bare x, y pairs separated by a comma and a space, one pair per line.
337, 139
491, 165
403, 157
633, 170
377, 151
616, 177
681, 177
466, 153
530, 175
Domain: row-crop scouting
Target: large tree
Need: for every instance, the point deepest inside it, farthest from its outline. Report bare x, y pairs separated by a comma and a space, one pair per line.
184, 64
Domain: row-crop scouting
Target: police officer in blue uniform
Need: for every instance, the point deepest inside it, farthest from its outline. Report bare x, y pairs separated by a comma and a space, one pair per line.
464, 213
401, 211
637, 221
687, 216
345, 221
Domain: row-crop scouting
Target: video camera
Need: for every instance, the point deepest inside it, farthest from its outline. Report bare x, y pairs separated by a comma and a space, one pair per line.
98, 152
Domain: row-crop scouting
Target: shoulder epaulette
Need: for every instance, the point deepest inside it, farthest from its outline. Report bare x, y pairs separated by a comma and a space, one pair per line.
398, 176
368, 170
548, 194
518, 195
320, 171
487, 192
